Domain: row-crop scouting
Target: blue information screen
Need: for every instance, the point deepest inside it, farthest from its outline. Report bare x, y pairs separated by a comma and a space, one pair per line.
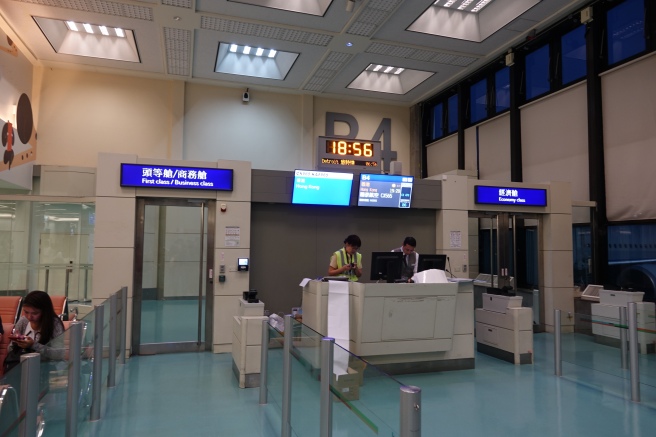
511, 196
164, 176
312, 187
385, 191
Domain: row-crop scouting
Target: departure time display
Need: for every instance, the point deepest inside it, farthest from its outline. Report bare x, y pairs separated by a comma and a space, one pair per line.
348, 153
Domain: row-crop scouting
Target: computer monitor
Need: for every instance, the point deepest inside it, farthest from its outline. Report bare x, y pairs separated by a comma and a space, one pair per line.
386, 266
431, 261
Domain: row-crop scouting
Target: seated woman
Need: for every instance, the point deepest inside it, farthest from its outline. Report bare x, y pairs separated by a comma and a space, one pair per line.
34, 330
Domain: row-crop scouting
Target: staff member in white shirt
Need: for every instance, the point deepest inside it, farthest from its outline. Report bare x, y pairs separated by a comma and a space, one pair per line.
410, 258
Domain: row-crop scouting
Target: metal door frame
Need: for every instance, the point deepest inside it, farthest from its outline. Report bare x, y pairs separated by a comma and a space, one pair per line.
206, 276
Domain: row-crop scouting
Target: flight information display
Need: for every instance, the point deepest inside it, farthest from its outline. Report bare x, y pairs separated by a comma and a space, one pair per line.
385, 191
312, 187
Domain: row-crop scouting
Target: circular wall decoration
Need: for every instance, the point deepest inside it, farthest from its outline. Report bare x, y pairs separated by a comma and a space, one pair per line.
24, 119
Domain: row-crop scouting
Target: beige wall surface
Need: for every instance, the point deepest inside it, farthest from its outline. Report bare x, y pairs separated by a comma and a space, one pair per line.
86, 113
369, 117
82, 114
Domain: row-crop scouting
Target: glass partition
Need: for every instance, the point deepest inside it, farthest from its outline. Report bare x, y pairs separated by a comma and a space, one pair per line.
593, 356
306, 372
46, 246
53, 380
366, 401
274, 367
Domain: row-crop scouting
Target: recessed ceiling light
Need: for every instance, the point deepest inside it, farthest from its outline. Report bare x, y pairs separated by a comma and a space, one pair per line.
259, 51
72, 26
103, 30
233, 48
388, 69
349, 44
87, 28
247, 50
119, 32
272, 53
378, 67
399, 70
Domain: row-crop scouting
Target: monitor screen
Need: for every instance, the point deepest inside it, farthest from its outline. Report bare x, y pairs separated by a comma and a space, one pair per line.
313, 187
386, 266
385, 191
431, 261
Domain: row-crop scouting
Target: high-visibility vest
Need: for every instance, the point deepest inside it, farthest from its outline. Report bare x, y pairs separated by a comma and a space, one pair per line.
344, 258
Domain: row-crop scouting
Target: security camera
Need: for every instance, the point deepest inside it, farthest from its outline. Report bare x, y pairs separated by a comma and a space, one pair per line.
246, 96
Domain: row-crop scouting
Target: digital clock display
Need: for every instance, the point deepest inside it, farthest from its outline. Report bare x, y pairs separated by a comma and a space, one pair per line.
348, 153
349, 148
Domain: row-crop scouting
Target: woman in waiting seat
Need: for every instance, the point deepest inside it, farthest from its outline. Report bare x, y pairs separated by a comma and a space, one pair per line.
38, 325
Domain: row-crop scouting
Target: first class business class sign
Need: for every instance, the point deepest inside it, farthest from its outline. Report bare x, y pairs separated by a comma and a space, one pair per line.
510, 196
164, 176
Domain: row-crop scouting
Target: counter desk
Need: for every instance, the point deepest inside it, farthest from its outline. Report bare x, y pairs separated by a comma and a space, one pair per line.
403, 328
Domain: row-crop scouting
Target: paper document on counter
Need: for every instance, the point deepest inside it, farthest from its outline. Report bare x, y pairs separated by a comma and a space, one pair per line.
338, 323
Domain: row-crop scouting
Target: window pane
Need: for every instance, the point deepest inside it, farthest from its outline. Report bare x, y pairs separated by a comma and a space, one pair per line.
537, 72
478, 101
626, 25
572, 46
438, 123
453, 113
502, 89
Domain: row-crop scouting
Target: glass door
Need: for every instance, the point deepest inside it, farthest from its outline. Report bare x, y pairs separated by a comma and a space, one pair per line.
173, 299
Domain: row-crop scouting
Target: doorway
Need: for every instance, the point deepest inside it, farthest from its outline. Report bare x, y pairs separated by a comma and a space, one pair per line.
508, 257
174, 255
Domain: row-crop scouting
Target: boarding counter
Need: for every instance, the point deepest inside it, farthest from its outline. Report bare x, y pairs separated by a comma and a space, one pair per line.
402, 328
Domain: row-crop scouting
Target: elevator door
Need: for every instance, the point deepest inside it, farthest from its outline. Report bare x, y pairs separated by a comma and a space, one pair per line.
173, 259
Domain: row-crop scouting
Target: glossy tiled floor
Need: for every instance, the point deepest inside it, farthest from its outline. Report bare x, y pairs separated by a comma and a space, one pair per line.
197, 395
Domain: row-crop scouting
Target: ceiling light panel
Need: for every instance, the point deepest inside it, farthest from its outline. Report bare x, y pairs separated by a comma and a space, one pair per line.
463, 5
245, 61
88, 40
386, 81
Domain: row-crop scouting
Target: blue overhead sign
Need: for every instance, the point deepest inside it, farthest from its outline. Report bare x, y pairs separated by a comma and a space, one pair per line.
511, 196
164, 176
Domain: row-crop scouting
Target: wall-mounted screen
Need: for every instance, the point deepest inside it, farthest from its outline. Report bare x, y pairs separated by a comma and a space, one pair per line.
312, 187
385, 191
511, 196
165, 176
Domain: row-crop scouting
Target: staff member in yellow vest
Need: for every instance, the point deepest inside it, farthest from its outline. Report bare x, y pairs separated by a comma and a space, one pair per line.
347, 261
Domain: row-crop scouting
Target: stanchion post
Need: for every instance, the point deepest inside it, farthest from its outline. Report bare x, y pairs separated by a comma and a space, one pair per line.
558, 363
287, 379
623, 338
326, 419
75, 350
633, 352
264, 360
29, 395
96, 388
124, 323
410, 411
111, 374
